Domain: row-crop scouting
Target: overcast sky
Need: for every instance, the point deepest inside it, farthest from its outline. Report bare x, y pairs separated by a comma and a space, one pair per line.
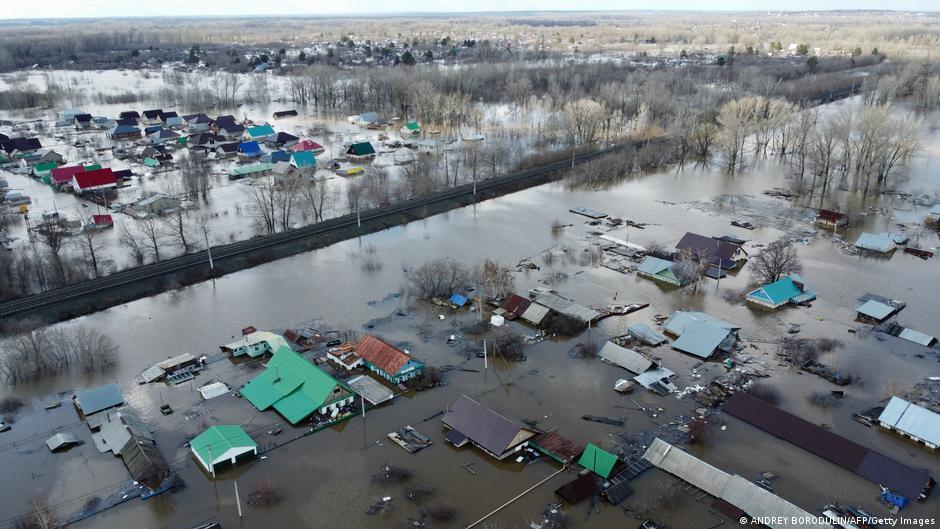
123, 8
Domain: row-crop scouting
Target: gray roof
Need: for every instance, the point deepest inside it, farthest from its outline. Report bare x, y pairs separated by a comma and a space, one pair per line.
876, 309
701, 339
656, 376
118, 429
912, 420
101, 398
60, 440
370, 389
677, 323
654, 265
935, 210
646, 334
626, 358
917, 337
535, 313
486, 428
737, 491
566, 306
880, 242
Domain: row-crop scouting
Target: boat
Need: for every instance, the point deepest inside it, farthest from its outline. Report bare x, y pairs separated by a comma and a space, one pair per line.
917, 252
53, 405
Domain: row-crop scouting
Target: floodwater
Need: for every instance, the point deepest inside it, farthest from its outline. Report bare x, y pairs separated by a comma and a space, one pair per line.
325, 477
228, 211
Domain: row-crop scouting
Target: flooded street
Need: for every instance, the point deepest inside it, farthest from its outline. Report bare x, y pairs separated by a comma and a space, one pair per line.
327, 475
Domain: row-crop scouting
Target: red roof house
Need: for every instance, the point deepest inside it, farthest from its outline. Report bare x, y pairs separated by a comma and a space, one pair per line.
391, 363
102, 220
308, 145
96, 180
63, 175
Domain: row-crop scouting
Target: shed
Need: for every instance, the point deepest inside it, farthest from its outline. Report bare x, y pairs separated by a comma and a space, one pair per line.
362, 149
646, 334
876, 242
535, 314
222, 444
514, 306
597, 460
370, 389
875, 310
701, 339
213, 390
558, 447
62, 440
391, 363
93, 400
628, 359
911, 420
657, 380
579, 489
786, 290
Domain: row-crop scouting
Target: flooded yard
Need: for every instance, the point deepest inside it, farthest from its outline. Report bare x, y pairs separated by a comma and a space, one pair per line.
327, 475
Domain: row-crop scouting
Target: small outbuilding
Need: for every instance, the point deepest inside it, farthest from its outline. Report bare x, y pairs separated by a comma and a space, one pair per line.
222, 444
883, 243
784, 291
62, 441
98, 399
913, 421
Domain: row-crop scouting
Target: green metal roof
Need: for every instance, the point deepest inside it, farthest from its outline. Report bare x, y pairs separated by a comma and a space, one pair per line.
361, 149
44, 167
260, 131
151, 162
93, 167
597, 460
246, 170
292, 385
412, 125
219, 439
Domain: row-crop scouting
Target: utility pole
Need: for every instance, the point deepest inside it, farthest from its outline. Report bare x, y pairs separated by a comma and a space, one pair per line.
205, 231
238, 501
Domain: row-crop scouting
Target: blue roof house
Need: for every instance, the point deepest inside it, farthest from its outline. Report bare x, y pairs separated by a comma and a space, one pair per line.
783, 291
699, 334
276, 156
659, 270
303, 159
250, 149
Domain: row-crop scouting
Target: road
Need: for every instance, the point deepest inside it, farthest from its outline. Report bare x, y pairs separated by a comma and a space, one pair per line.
152, 271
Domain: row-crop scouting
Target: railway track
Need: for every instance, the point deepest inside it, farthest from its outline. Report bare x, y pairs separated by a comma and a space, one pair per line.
153, 271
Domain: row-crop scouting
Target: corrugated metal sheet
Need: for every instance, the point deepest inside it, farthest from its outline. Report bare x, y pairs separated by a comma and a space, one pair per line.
646, 334
535, 314
660, 376
700, 339
61, 440
370, 389
626, 358
912, 420
382, 355
566, 306
732, 489
680, 319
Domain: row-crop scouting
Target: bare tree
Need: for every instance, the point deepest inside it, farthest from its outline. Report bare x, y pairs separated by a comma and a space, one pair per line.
776, 260
265, 201
177, 228
130, 239
90, 246
497, 279
438, 278
689, 269
53, 235
153, 235
315, 193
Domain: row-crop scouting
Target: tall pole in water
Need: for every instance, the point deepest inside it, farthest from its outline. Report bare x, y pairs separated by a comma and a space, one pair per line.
238, 501
362, 402
484, 355
205, 232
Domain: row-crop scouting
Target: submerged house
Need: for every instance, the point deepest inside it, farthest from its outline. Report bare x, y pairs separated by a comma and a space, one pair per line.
877, 309
281, 140
720, 253
659, 270
598, 460
389, 362
308, 145
628, 359
124, 133
361, 151
468, 421
701, 335
249, 149
410, 128
912, 421
933, 216
784, 291
883, 243
367, 119
258, 133
255, 344
297, 389
222, 444
245, 171
303, 160
833, 220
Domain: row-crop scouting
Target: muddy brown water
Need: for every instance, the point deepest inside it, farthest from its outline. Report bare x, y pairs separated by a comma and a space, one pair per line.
325, 477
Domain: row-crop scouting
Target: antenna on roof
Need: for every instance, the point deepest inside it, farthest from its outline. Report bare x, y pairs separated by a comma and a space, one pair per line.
277, 374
